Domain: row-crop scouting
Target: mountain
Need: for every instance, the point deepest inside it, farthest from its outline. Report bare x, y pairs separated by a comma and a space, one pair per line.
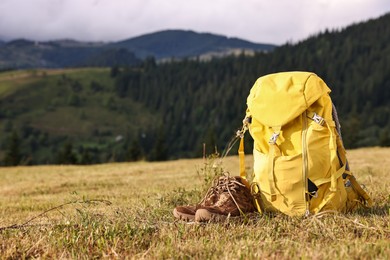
180, 44
168, 110
177, 44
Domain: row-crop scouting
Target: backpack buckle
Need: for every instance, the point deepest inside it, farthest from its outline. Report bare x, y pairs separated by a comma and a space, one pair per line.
318, 119
273, 138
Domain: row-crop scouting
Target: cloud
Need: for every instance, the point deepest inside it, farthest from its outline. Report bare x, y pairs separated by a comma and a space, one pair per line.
111, 20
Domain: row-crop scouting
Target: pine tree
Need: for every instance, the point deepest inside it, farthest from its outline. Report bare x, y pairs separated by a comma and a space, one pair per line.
135, 151
12, 154
160, 151
67, 156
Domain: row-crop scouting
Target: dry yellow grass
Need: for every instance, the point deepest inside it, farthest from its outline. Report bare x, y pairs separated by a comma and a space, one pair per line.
137, 223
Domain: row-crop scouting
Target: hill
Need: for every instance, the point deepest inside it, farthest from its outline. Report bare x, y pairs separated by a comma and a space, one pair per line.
22, 54
172, 44
159, 111
46, 112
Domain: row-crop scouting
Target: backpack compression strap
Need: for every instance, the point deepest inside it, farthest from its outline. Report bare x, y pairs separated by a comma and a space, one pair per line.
254, 187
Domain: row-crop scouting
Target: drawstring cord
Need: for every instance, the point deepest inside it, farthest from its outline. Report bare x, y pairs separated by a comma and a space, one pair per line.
238, 135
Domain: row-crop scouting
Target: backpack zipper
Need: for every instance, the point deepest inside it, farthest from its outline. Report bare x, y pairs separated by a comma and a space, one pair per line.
305, 163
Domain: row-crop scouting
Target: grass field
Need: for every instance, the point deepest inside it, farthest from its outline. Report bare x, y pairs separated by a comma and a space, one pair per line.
124, 210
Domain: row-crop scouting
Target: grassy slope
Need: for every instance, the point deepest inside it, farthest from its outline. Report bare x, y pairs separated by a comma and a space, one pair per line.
41, 99
139, 223
47, 105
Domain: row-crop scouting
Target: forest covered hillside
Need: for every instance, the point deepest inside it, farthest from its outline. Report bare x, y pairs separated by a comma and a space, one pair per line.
164, 111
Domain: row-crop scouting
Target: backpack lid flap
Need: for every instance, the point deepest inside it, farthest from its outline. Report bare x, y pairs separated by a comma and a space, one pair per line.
276, 99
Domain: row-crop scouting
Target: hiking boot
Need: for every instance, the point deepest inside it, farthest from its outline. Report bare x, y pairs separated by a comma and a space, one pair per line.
229, 196
186, 213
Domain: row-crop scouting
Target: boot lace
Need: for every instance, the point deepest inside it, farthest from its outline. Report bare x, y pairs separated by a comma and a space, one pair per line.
224, 184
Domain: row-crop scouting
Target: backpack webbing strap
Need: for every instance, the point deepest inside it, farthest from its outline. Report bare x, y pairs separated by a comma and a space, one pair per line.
335, 176
241, 150
241, 157
333, 157
255, 188
272, 153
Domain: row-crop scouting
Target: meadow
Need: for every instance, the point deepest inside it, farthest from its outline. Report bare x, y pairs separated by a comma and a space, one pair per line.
124, 210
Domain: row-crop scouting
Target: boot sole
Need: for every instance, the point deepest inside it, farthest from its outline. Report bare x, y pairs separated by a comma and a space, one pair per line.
183, 216
203, 215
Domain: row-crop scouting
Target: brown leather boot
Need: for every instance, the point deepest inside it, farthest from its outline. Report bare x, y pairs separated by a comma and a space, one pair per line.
229, 196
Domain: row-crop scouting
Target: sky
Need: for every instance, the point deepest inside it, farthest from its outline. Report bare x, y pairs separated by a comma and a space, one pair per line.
260, 21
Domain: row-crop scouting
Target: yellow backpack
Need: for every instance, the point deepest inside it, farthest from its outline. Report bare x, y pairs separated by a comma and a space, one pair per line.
300, 164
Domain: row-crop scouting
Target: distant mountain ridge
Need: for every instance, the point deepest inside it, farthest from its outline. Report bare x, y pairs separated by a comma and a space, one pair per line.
179, 43
176, 44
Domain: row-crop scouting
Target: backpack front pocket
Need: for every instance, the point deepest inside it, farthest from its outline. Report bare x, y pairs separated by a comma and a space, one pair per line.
288, 178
